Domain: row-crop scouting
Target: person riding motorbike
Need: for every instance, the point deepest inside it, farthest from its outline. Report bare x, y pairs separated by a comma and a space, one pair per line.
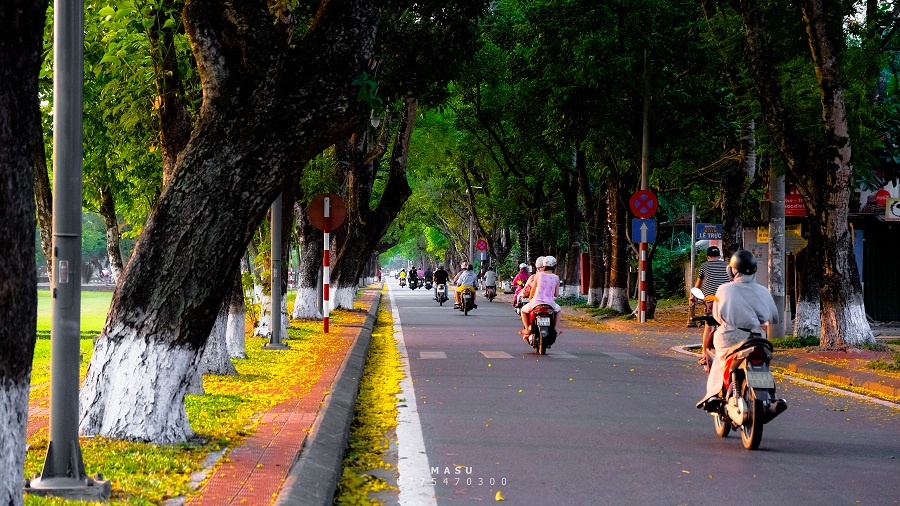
466, 278
519, 281
428, 275
413, 277
742, 308
440, 277
545, 285
710, 276
490, 280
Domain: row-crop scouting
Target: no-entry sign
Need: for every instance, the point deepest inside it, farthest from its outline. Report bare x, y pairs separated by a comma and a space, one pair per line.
643, 203
337, 212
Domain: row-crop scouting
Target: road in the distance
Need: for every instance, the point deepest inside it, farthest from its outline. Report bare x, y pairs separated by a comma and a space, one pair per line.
609, 418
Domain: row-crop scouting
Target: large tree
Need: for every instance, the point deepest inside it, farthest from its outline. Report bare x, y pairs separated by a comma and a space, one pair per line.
268, 107
20, 57
819, 162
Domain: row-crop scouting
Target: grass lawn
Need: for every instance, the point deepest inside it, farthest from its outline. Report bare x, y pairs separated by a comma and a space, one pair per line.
94, 306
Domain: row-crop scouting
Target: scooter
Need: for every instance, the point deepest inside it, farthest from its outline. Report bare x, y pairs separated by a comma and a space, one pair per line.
413, 284
749, 400
490, 292
441, 294
402, 282
468, 300
428, 284
542, 328
520, 302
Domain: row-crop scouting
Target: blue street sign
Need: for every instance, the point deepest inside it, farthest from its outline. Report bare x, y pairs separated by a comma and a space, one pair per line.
709, 232
643, 230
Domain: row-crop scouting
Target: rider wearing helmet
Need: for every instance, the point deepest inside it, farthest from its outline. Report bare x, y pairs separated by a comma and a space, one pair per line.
466, 278
440, 277
519, 281
546, 289
742, 308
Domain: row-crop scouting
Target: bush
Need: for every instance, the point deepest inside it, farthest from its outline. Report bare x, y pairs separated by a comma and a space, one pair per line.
668, 272
571, 300
882, 365
795, 342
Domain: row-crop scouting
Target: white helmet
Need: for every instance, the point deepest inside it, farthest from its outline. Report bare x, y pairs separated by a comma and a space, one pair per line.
549, 261
523, 265
539, 262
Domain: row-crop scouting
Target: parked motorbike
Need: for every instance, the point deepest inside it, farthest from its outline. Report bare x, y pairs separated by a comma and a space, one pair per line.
468, 300
542, 328
441, 295
748, 397
490, 292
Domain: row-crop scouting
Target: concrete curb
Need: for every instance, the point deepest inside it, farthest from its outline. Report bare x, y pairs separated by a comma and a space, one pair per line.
786, 365
314, 477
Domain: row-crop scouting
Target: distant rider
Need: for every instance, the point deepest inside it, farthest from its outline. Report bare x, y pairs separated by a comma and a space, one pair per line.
519, 281
466, 278
490, 280
710, 276
413, 277
440, 277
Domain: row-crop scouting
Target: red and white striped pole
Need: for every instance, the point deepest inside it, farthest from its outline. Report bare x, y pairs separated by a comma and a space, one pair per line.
326, 272
643, 300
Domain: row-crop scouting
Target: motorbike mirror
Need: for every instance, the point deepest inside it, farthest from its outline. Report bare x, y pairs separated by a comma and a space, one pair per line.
696, 292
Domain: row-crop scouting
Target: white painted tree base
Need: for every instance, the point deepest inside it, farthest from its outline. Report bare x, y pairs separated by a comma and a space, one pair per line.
343, 297
306, 305
216, 359
807, 321
13, 419
851, 326
264, 325
235, 334
595, 296
134, 390
618, 300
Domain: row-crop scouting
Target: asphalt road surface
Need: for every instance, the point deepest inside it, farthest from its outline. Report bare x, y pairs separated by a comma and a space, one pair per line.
609, 418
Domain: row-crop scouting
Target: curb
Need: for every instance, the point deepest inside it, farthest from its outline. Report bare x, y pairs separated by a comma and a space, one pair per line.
786, 365
315, 474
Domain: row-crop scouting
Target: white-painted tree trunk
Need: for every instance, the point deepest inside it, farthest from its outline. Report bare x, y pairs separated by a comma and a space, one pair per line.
306, 305
852, 320
216, 359
569, 291
236, 331
807, 321
343, 297
13, 419
152, 376
595, 296
264, 325
618, 300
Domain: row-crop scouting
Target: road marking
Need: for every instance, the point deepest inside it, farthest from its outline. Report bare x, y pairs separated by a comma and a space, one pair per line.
432, 354
560, 354
623, 356
415, 475
495, 354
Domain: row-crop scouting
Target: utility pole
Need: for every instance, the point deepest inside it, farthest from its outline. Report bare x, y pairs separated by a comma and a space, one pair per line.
275, 342
776, 249
63, 474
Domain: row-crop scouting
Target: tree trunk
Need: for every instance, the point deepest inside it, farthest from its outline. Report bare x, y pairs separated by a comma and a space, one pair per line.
267, 109
808, 321
734, 184
309, 268
113, 236
236, 328
822, 172
573, 231
216, 358
618, 225
364, 227
20, 58
43, 193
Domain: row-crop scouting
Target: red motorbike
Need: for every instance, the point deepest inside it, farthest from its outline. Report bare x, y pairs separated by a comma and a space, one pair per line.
542, 328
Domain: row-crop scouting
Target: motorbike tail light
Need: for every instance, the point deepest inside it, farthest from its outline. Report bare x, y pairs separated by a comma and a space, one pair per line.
757, 356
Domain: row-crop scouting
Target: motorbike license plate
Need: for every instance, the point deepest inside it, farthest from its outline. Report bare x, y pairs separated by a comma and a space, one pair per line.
760, 379
467, 295
543, 321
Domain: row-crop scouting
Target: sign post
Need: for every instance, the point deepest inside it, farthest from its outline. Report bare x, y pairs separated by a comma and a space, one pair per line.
643, 204
326, 212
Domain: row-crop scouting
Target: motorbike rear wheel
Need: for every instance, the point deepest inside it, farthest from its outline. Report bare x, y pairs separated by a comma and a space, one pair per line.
751, 431
541, 343
723, 426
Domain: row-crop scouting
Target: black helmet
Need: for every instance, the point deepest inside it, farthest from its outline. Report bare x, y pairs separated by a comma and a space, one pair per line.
743, 261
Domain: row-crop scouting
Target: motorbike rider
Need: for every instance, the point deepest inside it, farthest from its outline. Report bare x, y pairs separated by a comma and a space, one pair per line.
519, 281
529, 283
413, 277
742, 308
465, 278
490, 279
545, 289
440, 277
402, 275
428, 275
710, 276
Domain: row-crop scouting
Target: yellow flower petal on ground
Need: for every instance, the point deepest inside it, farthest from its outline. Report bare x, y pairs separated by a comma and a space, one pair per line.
499, 496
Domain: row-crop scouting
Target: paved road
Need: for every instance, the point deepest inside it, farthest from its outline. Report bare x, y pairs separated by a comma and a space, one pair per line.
609, 418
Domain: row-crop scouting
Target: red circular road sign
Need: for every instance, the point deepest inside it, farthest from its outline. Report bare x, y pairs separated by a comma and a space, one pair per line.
643, 203
336, 211
481, 245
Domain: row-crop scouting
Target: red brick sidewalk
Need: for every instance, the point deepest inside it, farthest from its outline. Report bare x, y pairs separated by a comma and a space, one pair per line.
254, 472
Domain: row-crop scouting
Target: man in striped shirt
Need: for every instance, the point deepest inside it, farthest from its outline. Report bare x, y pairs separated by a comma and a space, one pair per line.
711, 275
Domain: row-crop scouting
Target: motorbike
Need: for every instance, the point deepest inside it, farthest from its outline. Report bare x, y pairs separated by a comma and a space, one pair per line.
520, 302
749, 401
490, 292
542, 328
468, 300
402, 282
428, 284
441, 295
413, 284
